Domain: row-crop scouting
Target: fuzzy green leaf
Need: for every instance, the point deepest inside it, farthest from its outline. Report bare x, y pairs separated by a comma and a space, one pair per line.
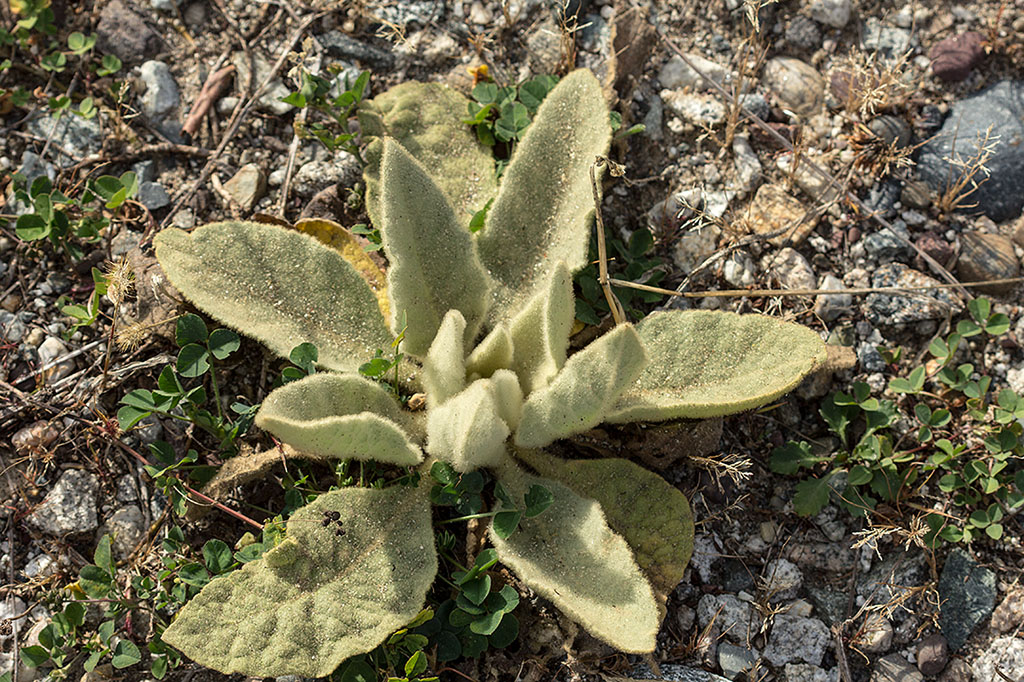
434, 266
278, 286
468, 431
508, 396
545, 205
582, 394
493, 353
540, 332
653, 516
444, 368
338, 415
426, 119
709, 363
317, 598
569, 555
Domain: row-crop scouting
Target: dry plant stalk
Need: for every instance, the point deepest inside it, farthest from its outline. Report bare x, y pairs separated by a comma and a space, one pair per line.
865, 87
957, 190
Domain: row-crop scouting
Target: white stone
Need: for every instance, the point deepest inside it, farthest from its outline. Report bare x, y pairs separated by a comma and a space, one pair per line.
161, 96
833, 13
830, 306
694, 107
876, 635
792, 269
748, 166
1004, 653
731, 616
126, 526
782, 579
677, 74
70, 507
794, 639
50, 351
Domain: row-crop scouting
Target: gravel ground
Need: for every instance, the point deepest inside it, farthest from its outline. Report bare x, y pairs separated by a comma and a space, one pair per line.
879, 94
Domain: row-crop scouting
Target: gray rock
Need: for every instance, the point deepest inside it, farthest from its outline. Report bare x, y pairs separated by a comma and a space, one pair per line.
1010, 612
34, 166
40, 566
739, 270
792, 269
876, 636
998, 106
70, 507
9, 607
889, 42
932, 654
734, 660
79, 136
968, 594
161, 97
677, 74
343, 170
895, 668
795, 639
797, 84
891, 130
830, 306
676, 673
830, 604
270, 100
126, 526
834, 13
882, 198
153, 195
804, 672
1005, 654
783, 579
420, 12
868, 357
897, 309
168, 6
123, 33
694, 107
342, 46
12, 329
51, 351
654, 118
803, 33
748, 166
984, 257
732, 617
756, 104
958, 670
247, 186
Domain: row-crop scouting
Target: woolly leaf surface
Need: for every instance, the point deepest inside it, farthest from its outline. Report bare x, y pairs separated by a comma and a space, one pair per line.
338, 415
569, 555
493, 353
278, 286
434, 267
706, 363
426, 119
468, 431
317, 598
653, 516
444, 368
582, 394
332, 234
540, 332
545, 204
509, 397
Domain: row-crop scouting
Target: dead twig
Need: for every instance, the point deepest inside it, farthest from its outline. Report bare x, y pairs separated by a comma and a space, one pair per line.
602, 252
211, 91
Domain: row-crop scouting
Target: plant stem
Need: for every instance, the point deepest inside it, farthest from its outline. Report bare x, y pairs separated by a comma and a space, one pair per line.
472, 516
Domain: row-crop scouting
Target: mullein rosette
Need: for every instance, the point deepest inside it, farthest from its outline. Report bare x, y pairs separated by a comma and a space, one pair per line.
488, 318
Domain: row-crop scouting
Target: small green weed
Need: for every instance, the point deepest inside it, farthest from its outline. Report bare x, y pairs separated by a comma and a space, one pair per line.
630, 260
316, 93
961, 443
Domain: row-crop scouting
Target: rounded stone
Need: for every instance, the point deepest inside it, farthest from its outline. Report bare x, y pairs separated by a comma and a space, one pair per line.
984, 257
953, 58
932, 654
797, 84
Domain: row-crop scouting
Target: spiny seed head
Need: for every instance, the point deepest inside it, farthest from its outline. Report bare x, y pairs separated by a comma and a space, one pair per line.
120, 280
130, 337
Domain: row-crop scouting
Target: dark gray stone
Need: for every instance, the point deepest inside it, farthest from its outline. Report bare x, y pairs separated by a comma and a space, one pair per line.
1001, 107
804, 33
828, 603
344, 46
888, 310
125, 34
968, 594
882, 198
895, 668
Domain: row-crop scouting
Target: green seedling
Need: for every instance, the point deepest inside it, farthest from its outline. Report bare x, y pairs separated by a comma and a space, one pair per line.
317, 93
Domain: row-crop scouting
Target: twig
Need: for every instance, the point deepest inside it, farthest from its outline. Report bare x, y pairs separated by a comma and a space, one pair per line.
602, 253
211, 91
735, 293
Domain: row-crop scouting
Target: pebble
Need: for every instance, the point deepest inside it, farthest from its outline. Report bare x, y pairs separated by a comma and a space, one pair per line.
985, 256
886, 244
953, 58
126, 526
153, 196
804, 672
897, 310
247, 186
341, 45
891, 129
957, 670
544, 47
161, 97
1005, 654
997, 106
676, 74
783, 579
803, 33
79, 136
773, 210
796, 639
748, 166
70, 507
895, 668
968, 594
9, 607
889, 42
831, 306
125, 34
932, 654
834, 13
40, 566
694, 107
12, 329
791, 268
735, 660
756, 104
270, 100
734, 619
312, 176
876, 636
796, 84
50, 351
1010, 612
916, 194
739, 270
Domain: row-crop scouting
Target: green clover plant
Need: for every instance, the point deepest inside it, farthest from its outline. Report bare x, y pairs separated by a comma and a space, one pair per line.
486, 318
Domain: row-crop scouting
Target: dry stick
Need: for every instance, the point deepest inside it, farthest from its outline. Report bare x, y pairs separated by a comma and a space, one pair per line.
816, 169
293, 147
210, 93
602, 253
236, 119
735, 293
